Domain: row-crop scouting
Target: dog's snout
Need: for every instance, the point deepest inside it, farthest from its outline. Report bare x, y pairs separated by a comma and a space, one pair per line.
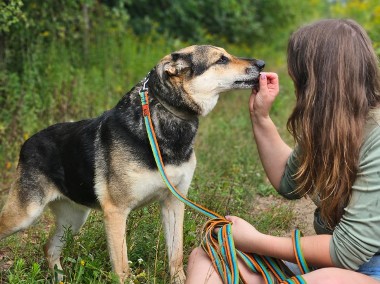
260, 64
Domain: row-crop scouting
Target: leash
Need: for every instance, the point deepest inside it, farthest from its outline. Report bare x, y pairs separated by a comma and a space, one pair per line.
220, 246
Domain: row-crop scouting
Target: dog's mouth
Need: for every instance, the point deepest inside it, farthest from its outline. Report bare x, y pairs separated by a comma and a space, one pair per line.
245, 84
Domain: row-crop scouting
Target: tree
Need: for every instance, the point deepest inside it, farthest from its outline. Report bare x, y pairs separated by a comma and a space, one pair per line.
237, 21
195, 20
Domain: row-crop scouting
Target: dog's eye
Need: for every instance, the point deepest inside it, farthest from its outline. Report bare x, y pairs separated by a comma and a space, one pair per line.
222, 60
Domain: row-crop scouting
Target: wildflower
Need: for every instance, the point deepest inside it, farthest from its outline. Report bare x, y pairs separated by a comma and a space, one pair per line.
82, 262
26, 136
8, 165
140, 260
141, 275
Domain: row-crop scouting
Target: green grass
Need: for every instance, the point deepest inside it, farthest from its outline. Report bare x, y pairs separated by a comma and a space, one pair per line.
228, 177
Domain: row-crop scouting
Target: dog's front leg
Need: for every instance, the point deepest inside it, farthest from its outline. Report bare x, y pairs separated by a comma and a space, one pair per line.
115, 224
172, 211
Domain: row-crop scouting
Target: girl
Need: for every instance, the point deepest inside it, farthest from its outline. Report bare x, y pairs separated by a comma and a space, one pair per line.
336, 161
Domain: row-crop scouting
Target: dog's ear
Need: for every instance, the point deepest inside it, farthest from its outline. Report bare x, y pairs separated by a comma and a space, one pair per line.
178, 64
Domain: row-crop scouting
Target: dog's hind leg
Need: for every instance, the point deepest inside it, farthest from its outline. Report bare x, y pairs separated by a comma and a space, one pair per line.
68, 216
23, 206
14, 218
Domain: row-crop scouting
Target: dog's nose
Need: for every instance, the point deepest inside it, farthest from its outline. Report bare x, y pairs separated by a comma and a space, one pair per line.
260, 64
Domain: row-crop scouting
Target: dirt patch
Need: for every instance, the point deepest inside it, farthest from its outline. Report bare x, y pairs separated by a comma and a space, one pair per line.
303, 210
304, 215
6, 261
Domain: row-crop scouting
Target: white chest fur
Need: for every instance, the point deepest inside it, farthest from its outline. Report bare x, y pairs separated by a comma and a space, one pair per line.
132, 186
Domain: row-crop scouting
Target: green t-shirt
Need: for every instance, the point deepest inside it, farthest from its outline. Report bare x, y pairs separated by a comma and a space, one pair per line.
356, 238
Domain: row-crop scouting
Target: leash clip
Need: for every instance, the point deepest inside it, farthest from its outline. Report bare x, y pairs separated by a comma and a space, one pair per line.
144, 88
144, 97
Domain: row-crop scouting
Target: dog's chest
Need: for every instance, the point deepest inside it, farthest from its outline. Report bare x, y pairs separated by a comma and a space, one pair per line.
149, 185
134, 186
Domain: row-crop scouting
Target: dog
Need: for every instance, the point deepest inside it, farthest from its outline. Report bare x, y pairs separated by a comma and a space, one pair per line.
106, 162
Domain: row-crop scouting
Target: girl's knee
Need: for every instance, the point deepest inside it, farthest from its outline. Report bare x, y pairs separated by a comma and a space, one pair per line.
200, 268
337, 276
324, 275
198, 254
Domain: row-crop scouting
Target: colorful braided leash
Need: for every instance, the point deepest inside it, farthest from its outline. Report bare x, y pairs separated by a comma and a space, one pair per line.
220, 247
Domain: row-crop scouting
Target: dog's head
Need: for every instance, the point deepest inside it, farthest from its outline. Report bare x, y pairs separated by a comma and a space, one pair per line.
202, 72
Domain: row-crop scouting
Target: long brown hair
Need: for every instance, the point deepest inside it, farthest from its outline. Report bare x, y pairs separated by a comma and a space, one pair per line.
336, 76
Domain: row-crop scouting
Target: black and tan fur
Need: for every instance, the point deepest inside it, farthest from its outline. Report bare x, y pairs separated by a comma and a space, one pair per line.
106, 162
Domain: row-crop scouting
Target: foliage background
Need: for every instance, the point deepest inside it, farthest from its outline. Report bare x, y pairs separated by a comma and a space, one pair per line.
66, 60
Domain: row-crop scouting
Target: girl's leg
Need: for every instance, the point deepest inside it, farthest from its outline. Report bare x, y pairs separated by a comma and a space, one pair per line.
337, 276
201, 271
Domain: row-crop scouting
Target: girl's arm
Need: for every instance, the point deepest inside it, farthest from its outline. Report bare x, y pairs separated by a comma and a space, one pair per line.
316, 249
273, 151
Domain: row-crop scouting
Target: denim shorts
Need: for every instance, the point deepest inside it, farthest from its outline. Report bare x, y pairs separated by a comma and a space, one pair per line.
370, 268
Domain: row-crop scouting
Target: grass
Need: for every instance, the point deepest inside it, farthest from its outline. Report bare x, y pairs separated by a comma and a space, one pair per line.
228, 175
228, 179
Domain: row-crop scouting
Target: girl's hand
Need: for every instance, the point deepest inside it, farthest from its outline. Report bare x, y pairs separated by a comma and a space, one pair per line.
261, 101
244, 234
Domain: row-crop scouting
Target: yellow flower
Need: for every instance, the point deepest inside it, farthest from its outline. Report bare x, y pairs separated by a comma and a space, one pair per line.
141, 275
8, 165
82, 262
26, 136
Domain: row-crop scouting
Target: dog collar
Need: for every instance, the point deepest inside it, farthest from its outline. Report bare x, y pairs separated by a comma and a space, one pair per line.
176, 113
181, 115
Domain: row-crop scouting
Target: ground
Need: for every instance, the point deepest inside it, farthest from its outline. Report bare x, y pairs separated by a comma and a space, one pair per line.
302, 209
303, 212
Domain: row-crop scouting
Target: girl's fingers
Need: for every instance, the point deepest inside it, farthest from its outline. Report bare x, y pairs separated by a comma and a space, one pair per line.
263, 82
